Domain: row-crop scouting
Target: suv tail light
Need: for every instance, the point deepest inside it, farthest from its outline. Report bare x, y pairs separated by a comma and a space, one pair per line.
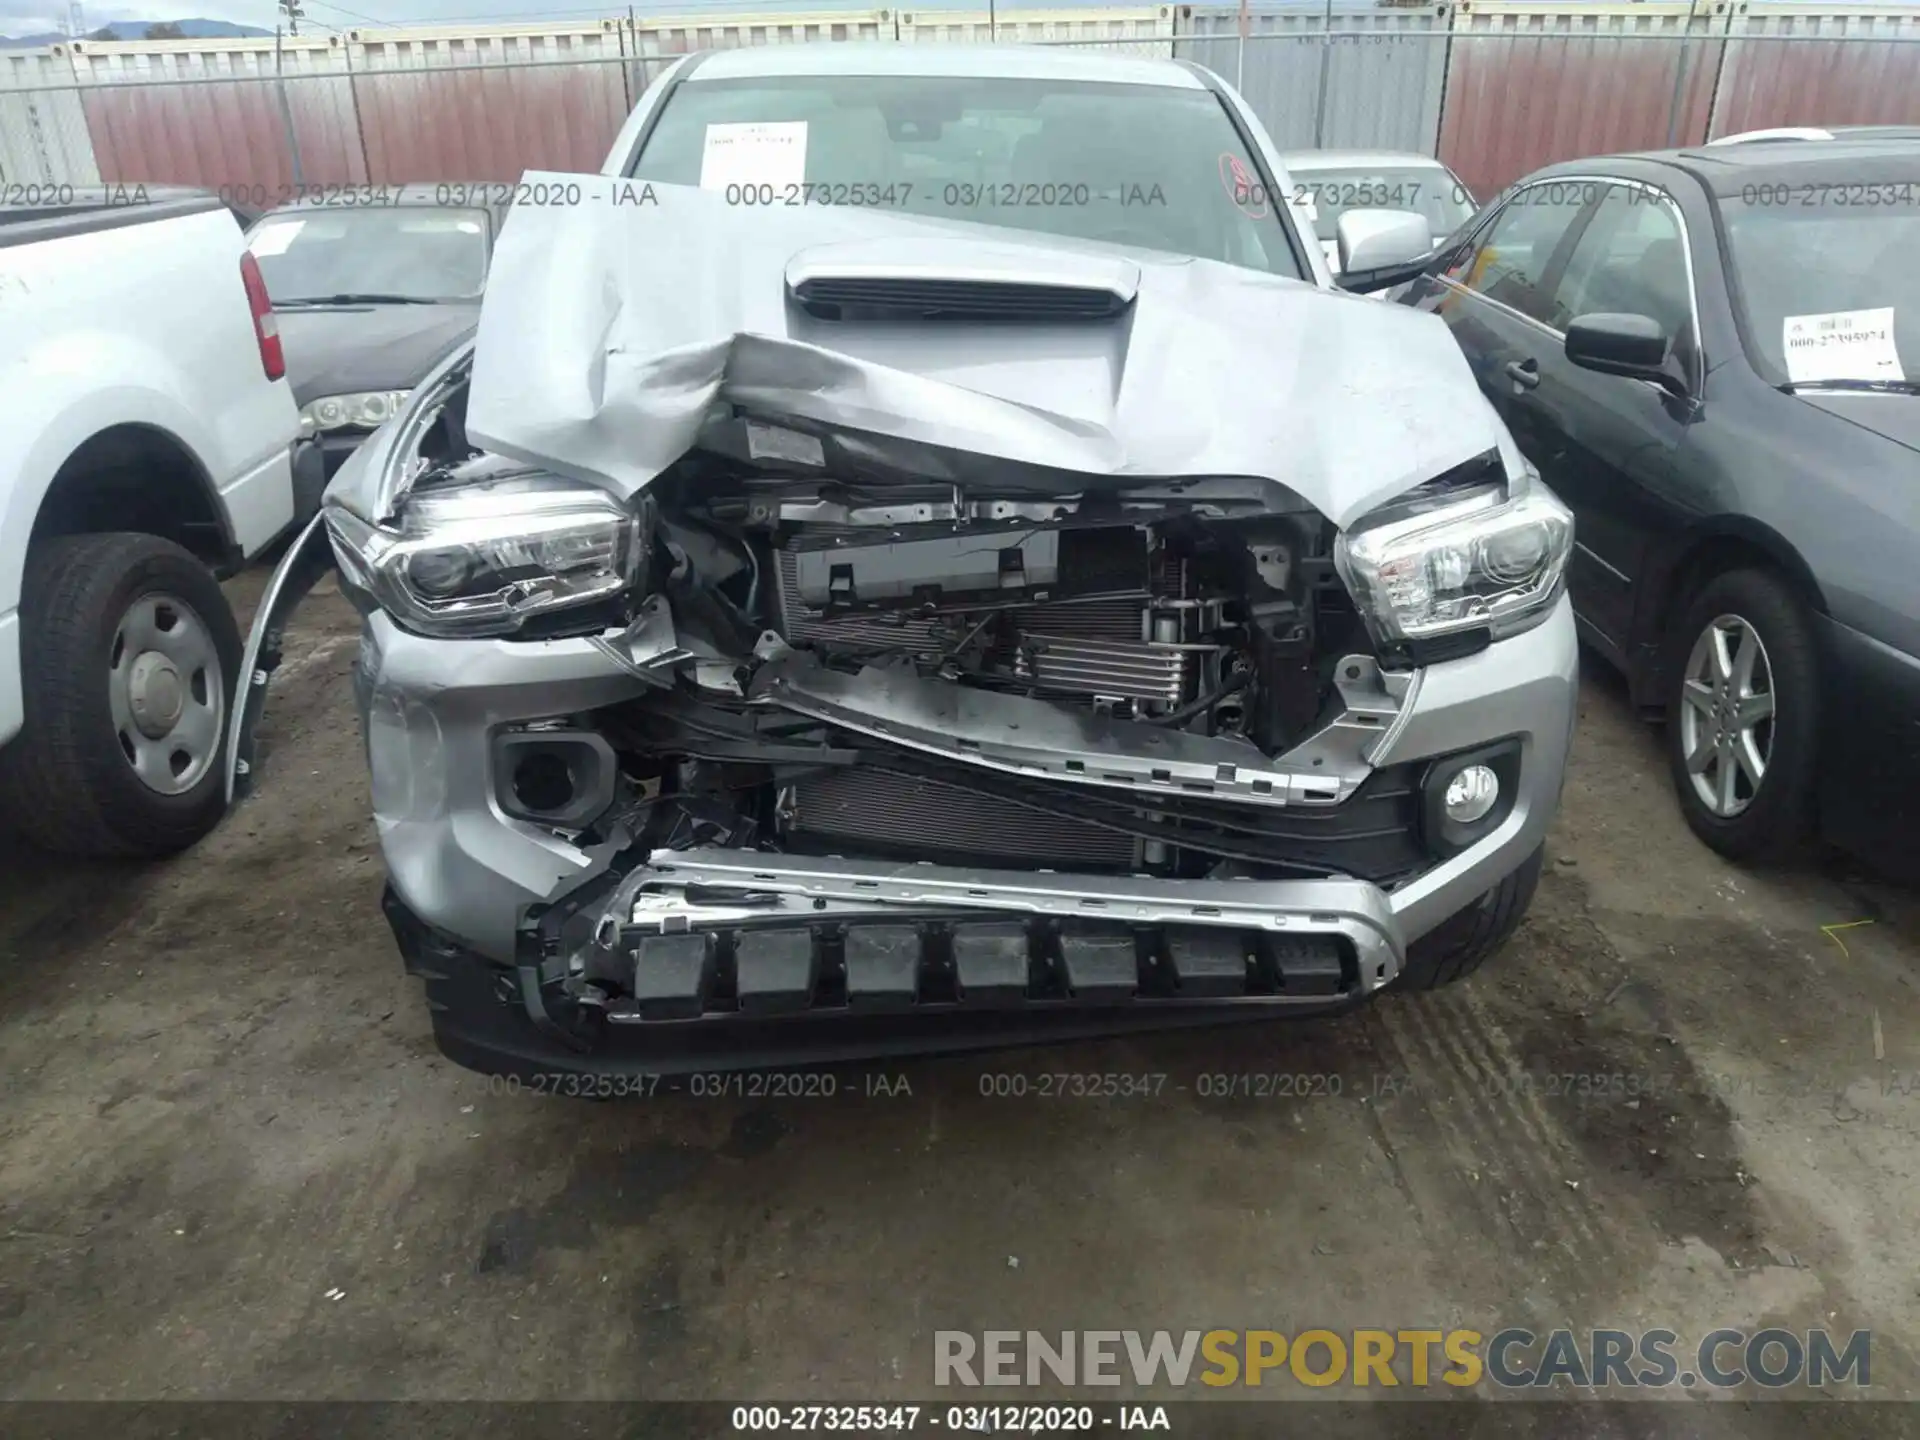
266, 327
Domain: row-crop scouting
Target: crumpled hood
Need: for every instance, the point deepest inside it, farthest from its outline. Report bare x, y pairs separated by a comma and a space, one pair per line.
612, 328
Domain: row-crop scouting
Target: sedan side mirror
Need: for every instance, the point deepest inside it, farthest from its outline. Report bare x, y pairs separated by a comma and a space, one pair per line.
1379, 248
1632, 345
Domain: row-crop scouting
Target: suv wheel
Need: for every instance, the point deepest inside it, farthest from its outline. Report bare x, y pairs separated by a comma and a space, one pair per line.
128, 659
1742, 717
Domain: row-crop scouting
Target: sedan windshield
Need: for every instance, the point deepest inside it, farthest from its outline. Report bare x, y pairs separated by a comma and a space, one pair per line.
1150, 166
1429, 190
1828, 290
406, 253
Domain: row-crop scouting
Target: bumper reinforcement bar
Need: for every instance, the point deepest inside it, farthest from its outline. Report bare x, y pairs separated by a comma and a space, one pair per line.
710, 933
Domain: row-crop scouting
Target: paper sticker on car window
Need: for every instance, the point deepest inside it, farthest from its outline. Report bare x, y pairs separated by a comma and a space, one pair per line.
274, 239
757, 153
1842, 345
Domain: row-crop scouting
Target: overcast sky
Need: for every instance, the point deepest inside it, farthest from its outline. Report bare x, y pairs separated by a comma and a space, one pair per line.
32, 17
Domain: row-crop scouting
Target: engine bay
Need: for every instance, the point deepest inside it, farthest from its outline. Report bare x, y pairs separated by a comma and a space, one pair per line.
1130, 681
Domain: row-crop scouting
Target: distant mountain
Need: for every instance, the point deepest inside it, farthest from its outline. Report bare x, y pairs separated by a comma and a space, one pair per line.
137, 30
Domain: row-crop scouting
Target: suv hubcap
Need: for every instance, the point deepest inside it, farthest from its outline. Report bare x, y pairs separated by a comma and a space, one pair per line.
166, 693
1726, 716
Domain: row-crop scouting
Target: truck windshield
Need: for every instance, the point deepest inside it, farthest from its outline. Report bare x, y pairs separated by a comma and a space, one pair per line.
1144, 165
409, 253
1825, 280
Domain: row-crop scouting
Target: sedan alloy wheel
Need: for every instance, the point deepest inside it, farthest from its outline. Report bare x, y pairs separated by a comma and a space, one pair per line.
1726, 715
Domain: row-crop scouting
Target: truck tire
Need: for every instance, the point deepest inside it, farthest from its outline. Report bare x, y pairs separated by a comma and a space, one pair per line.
1764, 631
128, 659
1456, 947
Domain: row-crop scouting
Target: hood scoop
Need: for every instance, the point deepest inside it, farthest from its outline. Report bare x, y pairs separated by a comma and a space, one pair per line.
942, 280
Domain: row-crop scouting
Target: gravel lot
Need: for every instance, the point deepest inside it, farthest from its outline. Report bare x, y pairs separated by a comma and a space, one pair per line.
235, 1166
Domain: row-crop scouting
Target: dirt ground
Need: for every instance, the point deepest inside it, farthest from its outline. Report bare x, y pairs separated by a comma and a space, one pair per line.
232, 1163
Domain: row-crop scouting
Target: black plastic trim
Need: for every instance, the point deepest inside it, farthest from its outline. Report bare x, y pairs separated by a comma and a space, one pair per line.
1446, 837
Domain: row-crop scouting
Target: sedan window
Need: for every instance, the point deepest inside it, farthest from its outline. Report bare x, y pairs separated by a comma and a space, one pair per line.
1147, 165
1630, 260
1508, 262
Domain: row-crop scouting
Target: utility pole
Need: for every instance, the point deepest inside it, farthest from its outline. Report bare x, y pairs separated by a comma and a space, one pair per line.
294, 13
76, 22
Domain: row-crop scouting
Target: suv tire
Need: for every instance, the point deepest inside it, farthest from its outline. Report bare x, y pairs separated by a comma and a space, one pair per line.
128, 659
1459, 945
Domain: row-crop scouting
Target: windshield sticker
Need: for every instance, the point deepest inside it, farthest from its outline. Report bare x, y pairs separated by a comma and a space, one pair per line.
757, 153
1245, 188
274, 239
1843, 345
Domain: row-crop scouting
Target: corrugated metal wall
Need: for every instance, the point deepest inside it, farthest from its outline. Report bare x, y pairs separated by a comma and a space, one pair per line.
453, 105
1496, 87
1853, 67
43, 133
1528, 85
1331, 76
229, 127
682, 35
1129, 30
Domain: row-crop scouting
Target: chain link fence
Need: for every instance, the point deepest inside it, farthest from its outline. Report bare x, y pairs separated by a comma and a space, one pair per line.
1494, 88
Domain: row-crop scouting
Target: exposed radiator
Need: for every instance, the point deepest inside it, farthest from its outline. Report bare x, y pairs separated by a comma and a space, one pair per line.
1088, 648
1117, 669
858, 804
895, 630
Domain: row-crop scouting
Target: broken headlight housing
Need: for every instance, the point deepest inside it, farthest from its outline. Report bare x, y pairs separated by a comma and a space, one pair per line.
1438, 562
366, 410
493, 556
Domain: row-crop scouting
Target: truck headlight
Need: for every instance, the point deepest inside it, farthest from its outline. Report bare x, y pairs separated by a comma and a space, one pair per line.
367, 410
488, 557
1494, 557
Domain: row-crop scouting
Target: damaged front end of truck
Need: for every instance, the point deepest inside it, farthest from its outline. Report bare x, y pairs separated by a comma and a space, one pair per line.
914, 647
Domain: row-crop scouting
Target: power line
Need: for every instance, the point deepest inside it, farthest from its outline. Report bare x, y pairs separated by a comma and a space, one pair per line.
370, 19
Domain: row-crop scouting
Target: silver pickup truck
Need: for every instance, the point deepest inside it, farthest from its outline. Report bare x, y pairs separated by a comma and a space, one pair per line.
867, 590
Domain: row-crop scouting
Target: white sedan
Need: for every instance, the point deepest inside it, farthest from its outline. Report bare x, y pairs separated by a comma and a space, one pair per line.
1327, 183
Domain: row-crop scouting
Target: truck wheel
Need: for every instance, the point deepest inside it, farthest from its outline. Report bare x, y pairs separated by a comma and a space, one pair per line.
1456, 947
1742, 717
128, 659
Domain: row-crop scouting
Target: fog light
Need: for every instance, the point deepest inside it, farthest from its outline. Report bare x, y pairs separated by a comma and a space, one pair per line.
1471, 793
